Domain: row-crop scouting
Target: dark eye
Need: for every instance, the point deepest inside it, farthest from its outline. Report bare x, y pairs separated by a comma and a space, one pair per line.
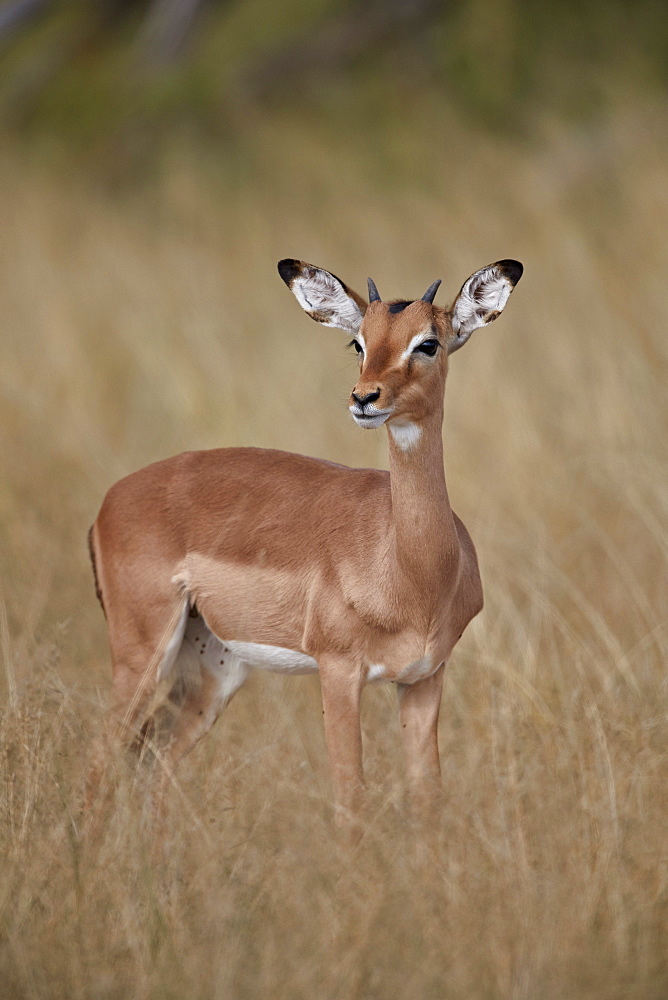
427, 347
356, 345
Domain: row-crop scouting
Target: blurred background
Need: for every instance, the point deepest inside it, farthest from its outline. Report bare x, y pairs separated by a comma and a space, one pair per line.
156, 160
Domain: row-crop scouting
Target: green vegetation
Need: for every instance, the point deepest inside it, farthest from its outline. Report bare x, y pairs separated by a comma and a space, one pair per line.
86, 71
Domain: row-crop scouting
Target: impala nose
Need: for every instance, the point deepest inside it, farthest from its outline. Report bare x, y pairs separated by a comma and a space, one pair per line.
370, 397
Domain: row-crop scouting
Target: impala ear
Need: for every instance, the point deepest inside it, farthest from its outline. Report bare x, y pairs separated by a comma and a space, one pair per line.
482, 299
323, 296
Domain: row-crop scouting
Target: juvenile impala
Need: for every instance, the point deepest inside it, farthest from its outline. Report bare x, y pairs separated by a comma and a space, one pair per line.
214, 563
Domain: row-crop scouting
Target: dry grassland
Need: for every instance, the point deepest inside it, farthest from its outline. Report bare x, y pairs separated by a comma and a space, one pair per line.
136, 324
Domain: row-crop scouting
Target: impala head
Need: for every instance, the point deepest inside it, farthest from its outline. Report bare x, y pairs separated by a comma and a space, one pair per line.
403, 346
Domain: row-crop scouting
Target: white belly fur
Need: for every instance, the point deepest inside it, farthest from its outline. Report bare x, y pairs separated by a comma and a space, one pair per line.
274, 658
224, 656
214, 653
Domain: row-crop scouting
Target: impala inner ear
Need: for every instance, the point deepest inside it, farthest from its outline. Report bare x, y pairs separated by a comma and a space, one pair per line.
323, 296
482, 299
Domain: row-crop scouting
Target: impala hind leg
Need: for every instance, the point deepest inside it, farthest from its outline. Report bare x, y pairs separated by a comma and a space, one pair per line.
143, 649
203, 692
207, 676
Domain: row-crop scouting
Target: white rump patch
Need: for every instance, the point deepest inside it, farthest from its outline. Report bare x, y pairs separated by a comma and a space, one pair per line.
324, 298
406, 434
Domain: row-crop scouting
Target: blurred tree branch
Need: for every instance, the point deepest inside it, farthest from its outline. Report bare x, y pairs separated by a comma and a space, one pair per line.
13, 16
334, 44
120, 59
166, 27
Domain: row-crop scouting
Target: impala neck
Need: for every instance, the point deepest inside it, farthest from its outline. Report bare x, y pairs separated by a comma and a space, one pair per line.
424, 529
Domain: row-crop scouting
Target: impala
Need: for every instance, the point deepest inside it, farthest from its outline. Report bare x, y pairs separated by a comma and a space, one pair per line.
215, 563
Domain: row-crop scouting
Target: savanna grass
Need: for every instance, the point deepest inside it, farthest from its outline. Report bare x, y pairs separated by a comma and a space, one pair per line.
136, 325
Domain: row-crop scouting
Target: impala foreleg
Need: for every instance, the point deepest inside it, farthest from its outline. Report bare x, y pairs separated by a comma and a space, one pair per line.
419, 706
341, 713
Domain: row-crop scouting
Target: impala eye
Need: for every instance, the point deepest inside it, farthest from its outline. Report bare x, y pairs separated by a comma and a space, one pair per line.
358, 347
427, 347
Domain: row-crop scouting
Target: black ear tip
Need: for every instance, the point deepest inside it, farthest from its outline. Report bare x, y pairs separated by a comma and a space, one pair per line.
289, 269
511, 269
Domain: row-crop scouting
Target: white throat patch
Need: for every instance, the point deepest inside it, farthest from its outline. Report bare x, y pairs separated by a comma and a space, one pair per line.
406, 435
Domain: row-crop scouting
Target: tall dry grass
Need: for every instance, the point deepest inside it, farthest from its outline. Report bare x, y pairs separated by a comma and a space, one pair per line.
139, 323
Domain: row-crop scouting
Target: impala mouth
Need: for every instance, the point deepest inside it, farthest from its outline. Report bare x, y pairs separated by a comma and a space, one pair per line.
368, 419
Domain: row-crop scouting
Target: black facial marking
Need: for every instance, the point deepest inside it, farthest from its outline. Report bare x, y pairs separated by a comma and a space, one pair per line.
397, 307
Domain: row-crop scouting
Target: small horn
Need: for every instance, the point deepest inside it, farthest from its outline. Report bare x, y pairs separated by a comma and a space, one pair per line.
430, 294
373, 291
